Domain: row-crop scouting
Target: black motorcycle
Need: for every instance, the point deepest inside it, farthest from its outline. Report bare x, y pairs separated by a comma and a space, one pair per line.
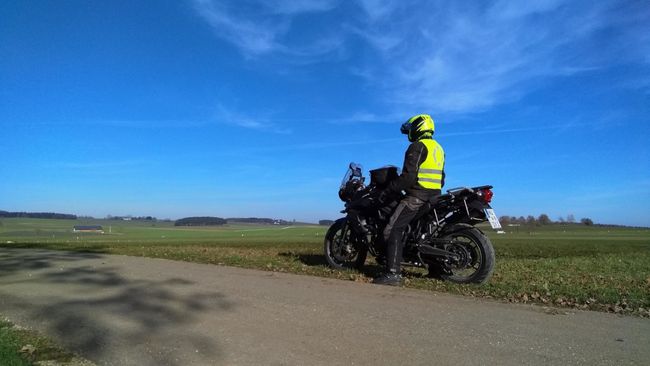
442, 238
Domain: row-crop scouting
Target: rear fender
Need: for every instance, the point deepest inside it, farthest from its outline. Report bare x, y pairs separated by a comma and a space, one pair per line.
458, 227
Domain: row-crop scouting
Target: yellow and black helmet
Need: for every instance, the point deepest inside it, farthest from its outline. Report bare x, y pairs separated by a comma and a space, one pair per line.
418, 127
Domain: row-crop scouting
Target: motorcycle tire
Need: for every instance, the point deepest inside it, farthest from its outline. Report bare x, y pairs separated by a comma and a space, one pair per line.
341, 252
479, 247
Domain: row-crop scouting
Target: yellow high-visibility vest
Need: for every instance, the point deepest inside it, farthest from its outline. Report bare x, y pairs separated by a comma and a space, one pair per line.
430, 171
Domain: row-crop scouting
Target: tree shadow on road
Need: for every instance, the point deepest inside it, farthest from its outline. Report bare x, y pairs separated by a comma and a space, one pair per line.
35, 259
102, 311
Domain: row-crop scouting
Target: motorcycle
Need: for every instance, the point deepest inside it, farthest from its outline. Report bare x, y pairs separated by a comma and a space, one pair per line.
442, 238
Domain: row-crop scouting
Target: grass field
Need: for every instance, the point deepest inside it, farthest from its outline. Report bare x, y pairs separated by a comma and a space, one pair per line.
23, 347
598, 268
10, 346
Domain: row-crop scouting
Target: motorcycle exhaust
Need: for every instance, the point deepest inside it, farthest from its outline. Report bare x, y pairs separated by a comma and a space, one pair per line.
429, 250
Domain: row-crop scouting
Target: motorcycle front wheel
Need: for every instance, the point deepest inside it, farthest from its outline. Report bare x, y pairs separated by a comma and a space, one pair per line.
342, 250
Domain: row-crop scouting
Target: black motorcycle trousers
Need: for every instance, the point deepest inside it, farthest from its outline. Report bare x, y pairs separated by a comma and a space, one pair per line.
393, 233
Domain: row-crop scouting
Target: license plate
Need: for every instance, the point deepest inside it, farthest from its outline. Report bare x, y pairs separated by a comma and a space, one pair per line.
492, 217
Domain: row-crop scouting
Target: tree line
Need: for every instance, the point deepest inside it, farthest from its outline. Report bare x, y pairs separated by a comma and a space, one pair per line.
259, 220
200, 221
38, 215
542, 219
211, 220
132, 218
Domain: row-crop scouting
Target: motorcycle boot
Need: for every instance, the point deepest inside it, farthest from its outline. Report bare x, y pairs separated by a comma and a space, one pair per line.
389, 278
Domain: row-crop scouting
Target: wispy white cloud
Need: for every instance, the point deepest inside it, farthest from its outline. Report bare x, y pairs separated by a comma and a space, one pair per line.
378, 9
226, 115
299, 6
443, 56
252, 36
468, 57
258, 27
383, 42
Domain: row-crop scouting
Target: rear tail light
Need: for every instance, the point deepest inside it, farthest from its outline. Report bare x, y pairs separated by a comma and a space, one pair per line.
487, 195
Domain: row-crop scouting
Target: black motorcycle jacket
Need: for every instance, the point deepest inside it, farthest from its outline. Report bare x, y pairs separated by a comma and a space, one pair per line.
408, 180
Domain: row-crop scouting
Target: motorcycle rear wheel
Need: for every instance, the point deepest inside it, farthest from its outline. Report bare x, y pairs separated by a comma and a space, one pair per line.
341, 250
476, 254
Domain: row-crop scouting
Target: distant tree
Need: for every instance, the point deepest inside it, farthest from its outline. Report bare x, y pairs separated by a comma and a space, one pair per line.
570, 219
586, 221
560, 220
530, 220
543, 219
325, 222
505, 220
521, 220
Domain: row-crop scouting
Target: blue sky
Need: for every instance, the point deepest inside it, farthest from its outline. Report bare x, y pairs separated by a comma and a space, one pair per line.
255, 107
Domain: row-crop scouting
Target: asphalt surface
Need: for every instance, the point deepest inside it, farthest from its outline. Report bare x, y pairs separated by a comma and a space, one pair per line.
119, 310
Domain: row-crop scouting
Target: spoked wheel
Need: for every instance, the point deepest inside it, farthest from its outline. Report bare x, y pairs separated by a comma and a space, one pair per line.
475, 261
342, 250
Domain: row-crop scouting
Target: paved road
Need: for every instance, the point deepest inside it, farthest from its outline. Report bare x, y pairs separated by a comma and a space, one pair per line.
118, 310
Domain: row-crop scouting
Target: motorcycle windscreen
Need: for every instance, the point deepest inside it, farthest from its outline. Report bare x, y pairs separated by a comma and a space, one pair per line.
355, 171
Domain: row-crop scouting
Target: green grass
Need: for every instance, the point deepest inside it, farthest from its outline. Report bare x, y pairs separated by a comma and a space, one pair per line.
10, 346
13, 339
598, 268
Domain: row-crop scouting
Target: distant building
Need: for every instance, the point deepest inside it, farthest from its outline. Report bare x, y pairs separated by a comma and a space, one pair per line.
88, 229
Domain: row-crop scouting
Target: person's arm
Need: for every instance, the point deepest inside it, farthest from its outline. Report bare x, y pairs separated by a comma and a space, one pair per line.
415, 155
